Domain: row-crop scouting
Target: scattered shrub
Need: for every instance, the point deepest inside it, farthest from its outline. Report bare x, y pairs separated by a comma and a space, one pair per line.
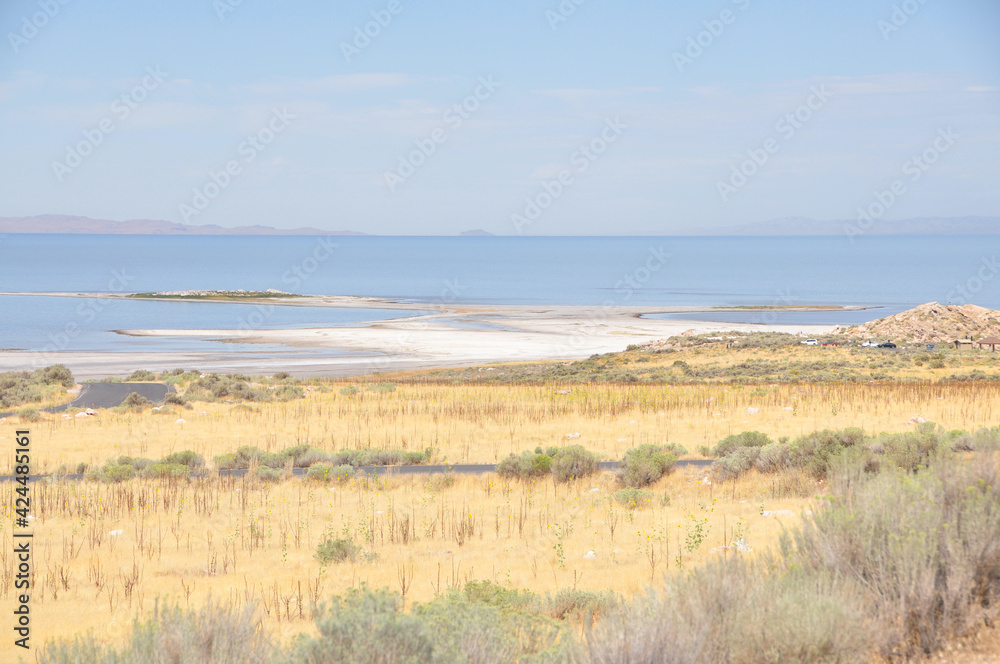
311, 457
337, 551
167, 471
21, 387
578, 605
113, 473
175, 399
633, 498
735, 463
643, 465
215, 634
140, 376
740, 440
268, 474
187, 458
573, 462
322, 472
922, 547
813, 452
135, 403
29, 415
440, 482
772, 458
529, 465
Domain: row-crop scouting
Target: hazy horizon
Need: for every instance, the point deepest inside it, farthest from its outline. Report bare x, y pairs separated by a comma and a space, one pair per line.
566, 118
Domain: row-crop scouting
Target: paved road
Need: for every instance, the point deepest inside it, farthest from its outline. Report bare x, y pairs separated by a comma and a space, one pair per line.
458, 469
109, 395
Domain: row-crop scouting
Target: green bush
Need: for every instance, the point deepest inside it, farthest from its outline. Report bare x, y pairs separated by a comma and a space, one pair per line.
21, 387
167, 471
214, 634
113, 473
337, 551
322, 472
643, 465
735, 463
922, 547
29, 415
773, 458
175, 399
492, 594
311, 457
371, 626
135, 403
185, 457
735, 609
813, 452
375, 457
528, 465
633, 498
348, 391
440, 482
579, 605
268, 474
736, 441
140, 376
573, 462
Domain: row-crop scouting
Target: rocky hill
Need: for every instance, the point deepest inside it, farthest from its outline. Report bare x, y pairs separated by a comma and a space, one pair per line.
56, 223
931, 323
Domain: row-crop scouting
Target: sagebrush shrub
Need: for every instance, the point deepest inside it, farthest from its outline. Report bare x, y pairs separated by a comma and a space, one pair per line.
643, 465
573, 462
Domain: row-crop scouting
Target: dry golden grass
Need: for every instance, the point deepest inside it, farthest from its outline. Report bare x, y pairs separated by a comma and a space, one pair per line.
237, 540
484, 423
104, 553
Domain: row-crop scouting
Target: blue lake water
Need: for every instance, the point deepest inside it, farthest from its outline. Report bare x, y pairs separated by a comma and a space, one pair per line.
891, 272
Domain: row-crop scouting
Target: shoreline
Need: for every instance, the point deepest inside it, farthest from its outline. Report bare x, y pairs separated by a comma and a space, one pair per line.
454, 335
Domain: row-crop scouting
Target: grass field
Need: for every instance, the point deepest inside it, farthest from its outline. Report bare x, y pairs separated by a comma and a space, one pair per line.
106, 553
484, 423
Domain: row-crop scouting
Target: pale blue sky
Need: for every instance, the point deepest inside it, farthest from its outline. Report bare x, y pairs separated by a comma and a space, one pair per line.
671, 134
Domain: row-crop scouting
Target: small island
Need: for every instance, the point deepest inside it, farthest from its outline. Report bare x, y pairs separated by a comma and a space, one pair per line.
218, 295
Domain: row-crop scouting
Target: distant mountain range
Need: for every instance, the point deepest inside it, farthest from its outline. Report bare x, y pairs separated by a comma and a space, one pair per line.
58, 223
805, 226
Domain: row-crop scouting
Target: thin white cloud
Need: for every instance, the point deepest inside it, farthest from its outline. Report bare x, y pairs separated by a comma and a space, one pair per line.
338, 83
576, 95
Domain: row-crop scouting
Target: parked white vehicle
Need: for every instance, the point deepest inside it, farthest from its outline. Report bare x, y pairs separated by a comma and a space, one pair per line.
810, 342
